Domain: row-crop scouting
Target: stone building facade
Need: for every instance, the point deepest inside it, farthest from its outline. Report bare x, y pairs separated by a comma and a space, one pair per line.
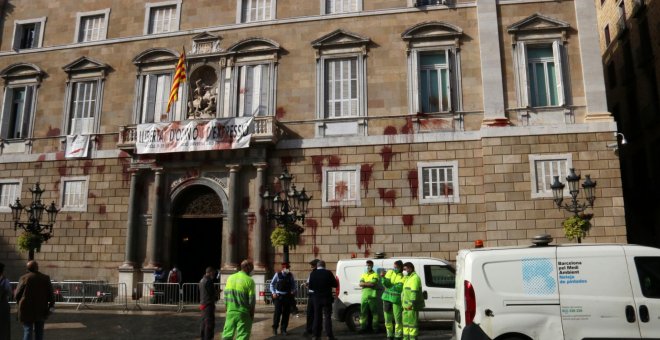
417, 127
630, 43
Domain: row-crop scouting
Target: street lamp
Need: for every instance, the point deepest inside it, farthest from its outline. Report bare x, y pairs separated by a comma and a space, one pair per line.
573, 180
35, 212
286, 207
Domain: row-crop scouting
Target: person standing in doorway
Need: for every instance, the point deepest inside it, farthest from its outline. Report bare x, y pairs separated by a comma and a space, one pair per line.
5, 294
393, 283
208, 296
369, 284
174, 280
412, 301
240, 301
283, 289
322, 281
310, 302
35, 299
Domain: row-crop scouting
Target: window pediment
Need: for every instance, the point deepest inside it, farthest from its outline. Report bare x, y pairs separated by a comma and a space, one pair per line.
87, 66
22, 71
432, 33
254, 45
538, 25
155, 56
340, 38
206, 43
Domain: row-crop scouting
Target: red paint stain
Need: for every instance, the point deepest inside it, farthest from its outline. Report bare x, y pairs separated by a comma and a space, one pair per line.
86, 167
408, 128
313, 226
334, 160
232, 239
69, 218
251, 220
41, 158
123, 154
413, 183
57, 185
390, 131
366, 170
102, 209
316, 251
499, 122
280, 112
336, 216
125, 169
52, 132
286, 161
86, 224
100, 169
317, 164
341, 189
99, 142
408, 220
60, 156
246, 202
433, 124
61, 170
91, 195
364, 236
386, 154
387, 196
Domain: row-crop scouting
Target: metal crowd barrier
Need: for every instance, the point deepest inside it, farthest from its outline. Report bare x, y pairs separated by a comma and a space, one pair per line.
301, 292
157, 294
86, 293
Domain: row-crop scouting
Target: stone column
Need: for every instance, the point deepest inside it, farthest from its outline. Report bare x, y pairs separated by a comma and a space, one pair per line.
230, 230
129, 273
590, 58
491, 64
260, 220
155, 245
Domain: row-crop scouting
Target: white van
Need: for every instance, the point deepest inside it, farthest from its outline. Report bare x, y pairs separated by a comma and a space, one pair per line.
437, 285
547, 292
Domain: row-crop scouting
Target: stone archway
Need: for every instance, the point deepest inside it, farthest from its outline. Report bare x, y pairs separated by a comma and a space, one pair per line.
197, 213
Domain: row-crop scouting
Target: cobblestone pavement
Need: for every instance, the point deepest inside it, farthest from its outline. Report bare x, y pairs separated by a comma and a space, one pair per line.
111, 325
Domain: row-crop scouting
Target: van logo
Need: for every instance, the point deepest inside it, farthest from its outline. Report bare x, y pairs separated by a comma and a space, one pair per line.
538, 276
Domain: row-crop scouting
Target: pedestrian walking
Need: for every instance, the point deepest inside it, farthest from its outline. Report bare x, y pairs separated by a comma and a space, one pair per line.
240, 301
412, 301
35, 299
368, 303
5, 293
310, 302
322, 281
393, 283
174, 280
283, 289
208, 296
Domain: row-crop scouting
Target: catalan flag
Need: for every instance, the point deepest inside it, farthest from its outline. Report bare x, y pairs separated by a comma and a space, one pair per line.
179, 76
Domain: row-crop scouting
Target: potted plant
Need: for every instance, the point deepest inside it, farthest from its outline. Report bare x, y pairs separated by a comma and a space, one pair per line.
28, 241
577, 226
286, 236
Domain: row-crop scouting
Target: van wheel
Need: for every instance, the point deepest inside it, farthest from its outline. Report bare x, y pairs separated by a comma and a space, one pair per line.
353, 317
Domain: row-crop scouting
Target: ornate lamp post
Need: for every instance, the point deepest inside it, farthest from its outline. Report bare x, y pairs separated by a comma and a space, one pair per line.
40, 231
286, 207
574, 206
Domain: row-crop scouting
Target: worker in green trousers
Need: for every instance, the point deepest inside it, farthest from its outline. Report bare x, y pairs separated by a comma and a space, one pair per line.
369, 284
412, 301
240, 301
393, 283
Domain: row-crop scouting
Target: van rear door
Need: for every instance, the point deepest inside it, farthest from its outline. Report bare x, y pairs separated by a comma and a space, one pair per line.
438, 284
596, 297
644, 269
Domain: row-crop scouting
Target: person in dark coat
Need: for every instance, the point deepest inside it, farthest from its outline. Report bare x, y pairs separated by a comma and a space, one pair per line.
34, 295
208, 295
322, 281
5, 293
310, 302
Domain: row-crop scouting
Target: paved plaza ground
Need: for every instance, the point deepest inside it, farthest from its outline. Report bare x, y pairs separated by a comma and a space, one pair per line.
67, 324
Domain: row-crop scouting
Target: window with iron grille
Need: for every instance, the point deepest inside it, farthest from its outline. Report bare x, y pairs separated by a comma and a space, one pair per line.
438, 182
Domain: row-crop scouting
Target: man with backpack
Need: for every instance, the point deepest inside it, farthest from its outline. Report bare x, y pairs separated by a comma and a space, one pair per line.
283, 289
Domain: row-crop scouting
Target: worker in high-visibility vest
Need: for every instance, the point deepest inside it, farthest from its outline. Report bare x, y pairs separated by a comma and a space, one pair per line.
412, 301
240, 301
393, 283
369, 284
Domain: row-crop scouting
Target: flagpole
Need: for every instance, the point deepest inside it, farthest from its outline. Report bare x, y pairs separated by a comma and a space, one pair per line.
188, 87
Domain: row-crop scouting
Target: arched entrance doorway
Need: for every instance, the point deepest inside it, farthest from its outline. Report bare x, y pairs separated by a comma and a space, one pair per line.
197, 231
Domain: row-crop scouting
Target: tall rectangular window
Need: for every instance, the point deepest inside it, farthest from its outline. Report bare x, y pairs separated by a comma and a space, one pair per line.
163, 19
74, 193
9, 192
17, 112
83, 107
155, 95
92, 28
256, 10
435, 82
438, 182
341, 6
542, 76
341, 185
341, 88
253, 89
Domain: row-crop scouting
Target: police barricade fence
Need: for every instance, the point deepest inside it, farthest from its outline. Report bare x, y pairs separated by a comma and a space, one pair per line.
301, 292
85, 293
157, 294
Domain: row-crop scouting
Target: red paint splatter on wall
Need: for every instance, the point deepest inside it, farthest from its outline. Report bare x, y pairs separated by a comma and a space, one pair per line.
86, 167
100, 169
366, 170
408, 220
60, 156
86, 224
317, 164
334, 160
364, 235
387, 196
57, 185
91, 194
413, 183
386, 154
336, 215
390, 131
286, 161
246, 202
251, 219
125, 169
280, 112
313, 225
41, 158
102, 209
61, 170
409, 127
52, 132
124, 154
232, 239
435, 124
69, 218
341, 189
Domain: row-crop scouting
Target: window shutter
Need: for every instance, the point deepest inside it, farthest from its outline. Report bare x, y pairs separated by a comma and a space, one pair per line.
264, 101
6, 112
18, 34
27, 111
256, 90
451, 85
152, 87
521, 53
37, 34
557, 50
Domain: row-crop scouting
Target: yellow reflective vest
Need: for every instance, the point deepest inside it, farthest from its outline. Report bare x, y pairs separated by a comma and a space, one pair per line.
369, 292
412, 292
239, 293
393, 283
